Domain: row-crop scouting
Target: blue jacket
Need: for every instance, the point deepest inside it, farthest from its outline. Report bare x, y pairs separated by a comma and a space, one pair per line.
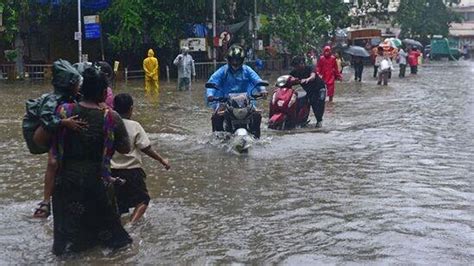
230, 81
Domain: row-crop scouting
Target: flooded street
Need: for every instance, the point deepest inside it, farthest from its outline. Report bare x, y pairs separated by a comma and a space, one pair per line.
389, 179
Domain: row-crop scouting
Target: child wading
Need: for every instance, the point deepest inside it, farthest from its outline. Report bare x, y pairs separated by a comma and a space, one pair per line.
133, 193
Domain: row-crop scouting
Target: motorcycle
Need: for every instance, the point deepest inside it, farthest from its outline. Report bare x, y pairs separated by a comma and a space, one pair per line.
289, 107
238, 110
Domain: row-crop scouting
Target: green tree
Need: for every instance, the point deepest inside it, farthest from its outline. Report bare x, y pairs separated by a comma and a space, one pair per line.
424, 18
132, 23
305, 24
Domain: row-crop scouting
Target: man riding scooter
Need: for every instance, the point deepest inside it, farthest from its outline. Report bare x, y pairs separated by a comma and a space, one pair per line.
313, 85
234, 77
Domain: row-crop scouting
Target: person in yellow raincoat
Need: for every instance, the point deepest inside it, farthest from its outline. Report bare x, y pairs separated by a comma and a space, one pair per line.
152, 69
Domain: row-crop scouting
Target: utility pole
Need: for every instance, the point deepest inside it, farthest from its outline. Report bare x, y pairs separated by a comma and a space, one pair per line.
79, 30
214, 33
254, 29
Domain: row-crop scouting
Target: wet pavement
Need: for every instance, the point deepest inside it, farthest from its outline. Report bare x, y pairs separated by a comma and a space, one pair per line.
387, 180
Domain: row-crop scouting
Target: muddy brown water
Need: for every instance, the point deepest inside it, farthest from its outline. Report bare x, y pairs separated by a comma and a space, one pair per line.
389, 179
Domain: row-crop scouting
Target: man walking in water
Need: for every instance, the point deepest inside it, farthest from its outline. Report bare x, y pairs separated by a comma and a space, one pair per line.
185, 64
151, 68
313, 85
327, 70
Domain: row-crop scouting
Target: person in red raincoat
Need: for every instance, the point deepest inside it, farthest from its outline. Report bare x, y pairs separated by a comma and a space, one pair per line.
327, 70
413, 55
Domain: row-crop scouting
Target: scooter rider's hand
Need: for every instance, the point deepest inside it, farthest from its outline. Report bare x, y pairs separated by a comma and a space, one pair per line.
210, 98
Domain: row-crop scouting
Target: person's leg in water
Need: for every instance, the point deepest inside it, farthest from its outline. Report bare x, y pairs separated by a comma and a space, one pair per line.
44, 209
376, 68
138, 212
318, 103
180, 84
330, 91
217, 120
187, 84
255, 124
385, 78
379, 82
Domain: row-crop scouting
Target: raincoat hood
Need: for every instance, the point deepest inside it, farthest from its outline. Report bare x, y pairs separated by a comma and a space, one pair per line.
64, 76
327, 51
151, 53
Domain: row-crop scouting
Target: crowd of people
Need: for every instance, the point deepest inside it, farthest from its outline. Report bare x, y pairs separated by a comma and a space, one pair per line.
94, 169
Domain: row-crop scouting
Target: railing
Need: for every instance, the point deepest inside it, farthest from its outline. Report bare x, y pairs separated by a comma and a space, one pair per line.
133, 74
203, 70
38, 71
7, 71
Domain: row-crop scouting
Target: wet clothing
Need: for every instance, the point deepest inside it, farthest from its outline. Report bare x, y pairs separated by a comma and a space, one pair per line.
109, 98
129, 167
413, 58
84, 207
227, 80
358, 67
186, 70
402, 61
315, 91
327, 69
402, 70
385, 70
185, 64
133, 192
151, 68
138, 140
42, 111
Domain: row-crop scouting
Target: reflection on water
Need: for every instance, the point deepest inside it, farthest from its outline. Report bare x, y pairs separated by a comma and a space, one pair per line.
388, 180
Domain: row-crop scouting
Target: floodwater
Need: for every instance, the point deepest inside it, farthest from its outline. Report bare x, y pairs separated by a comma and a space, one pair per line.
389, 179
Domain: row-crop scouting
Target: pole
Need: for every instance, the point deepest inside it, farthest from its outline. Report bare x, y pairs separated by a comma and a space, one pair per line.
214, 33
254, 29
79, 29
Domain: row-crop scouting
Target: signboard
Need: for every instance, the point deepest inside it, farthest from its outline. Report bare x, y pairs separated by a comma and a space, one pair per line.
92, 31
194, 44
92, 27
225, 36
91, 19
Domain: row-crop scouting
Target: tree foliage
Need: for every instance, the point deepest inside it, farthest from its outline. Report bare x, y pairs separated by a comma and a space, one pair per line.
130, 24
424, 18
20, 12
305, 24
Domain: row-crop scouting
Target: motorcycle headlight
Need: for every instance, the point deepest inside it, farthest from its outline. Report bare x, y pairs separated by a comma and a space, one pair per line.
292, 100
240, 113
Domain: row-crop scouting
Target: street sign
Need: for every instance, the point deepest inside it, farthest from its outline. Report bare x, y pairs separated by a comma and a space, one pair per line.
225, 36
77, 36
92, 31
91, 19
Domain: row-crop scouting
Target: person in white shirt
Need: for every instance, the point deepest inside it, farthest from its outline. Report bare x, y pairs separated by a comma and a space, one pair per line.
402, 61
185, 63
385, 68
133, 192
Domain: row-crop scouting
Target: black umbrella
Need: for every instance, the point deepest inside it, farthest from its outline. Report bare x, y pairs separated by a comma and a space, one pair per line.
357, 51
411, 42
